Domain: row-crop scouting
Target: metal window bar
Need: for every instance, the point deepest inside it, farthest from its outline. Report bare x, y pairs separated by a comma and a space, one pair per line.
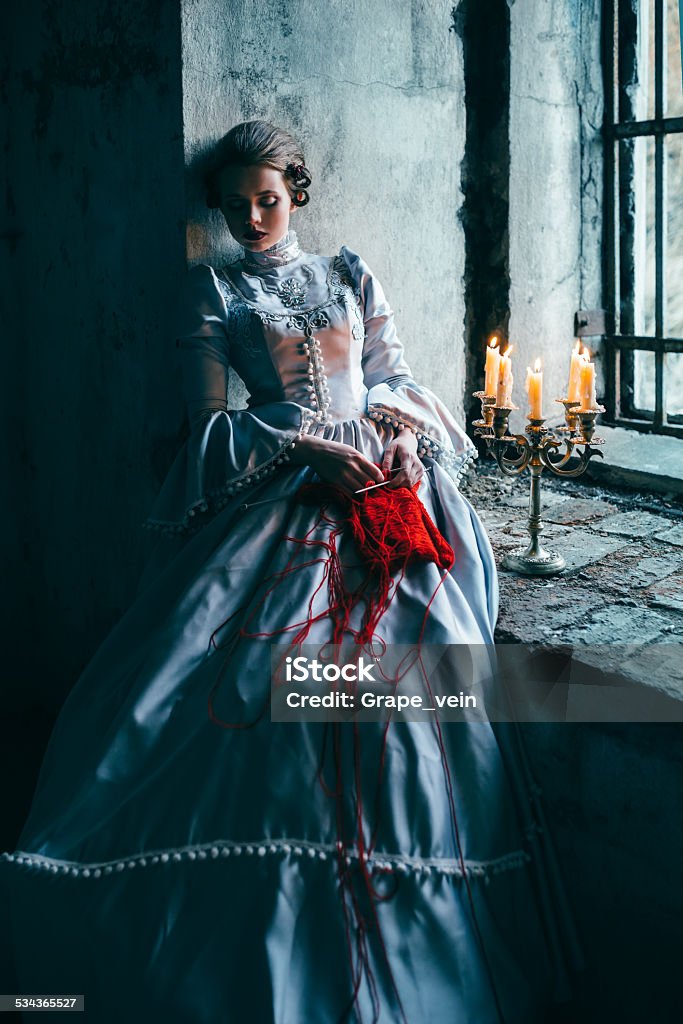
620, 69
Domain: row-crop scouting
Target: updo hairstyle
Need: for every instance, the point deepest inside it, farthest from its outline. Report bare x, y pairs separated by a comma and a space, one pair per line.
258, 143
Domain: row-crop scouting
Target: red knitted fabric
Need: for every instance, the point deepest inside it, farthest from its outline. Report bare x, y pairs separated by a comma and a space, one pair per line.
390, 525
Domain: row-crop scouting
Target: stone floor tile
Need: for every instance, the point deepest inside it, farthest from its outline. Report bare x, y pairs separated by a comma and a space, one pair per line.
579, 510
495, 518
632, 567
577, 549
620, 624
633, 524
533, 609
666, 594
672, 536
661, 664
584, 548
549, 499
517, 534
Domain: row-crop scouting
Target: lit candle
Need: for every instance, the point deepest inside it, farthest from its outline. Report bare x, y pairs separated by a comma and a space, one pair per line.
587, 384
504, 388
574, 389
534, 389
492, 365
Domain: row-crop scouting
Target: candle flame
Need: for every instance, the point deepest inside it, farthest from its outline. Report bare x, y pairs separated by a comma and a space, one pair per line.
586, 353
508, 350
493, 342
537, 365
577, 347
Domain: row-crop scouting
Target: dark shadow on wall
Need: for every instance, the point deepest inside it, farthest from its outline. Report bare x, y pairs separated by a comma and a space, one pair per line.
484, 29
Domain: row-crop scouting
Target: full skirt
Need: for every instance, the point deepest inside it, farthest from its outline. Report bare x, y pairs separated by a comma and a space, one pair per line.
176, 869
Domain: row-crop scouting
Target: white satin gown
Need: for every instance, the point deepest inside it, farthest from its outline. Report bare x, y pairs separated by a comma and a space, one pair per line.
171, 869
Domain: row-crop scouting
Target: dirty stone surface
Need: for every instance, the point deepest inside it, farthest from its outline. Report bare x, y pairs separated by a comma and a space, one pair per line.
622, 589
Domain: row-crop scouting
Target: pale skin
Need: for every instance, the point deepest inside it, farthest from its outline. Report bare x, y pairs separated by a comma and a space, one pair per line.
257, 198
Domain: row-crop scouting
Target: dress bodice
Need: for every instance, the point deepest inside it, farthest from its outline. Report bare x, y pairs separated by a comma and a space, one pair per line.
314, 340
295, 332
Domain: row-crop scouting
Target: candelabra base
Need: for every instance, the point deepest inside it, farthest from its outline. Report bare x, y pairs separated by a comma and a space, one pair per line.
534, 562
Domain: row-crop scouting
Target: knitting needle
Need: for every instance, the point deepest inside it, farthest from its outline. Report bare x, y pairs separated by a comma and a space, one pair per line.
384, 482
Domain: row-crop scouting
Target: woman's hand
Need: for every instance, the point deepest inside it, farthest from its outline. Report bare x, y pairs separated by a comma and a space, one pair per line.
402, 452
336, 463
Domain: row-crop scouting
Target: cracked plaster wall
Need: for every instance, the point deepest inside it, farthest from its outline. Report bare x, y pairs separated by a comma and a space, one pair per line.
92, 248
376, 94
555, 186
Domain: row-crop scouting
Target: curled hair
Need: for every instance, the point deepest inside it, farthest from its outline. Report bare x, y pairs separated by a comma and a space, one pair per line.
254, 143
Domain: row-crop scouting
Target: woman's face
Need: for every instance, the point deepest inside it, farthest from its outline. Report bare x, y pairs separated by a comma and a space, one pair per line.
256, 204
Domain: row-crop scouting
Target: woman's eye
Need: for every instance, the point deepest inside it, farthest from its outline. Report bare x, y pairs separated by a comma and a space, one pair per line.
235, 204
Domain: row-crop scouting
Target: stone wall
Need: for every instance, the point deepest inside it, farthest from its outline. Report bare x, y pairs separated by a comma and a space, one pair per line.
93, 251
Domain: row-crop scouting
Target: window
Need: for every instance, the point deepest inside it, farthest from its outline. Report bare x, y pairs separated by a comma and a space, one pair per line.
643, 136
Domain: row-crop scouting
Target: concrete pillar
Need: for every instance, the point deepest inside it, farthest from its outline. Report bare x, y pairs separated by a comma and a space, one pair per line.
555, 186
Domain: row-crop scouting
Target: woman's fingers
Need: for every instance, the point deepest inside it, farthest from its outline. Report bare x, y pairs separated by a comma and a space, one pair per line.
370, 470
411, 471
356, 472
343, 465
402, 479
388, 457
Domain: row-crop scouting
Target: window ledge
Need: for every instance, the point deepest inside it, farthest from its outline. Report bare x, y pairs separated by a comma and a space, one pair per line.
634, 459
619, 602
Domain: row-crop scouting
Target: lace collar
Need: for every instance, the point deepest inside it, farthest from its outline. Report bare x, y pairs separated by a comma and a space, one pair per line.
284, 251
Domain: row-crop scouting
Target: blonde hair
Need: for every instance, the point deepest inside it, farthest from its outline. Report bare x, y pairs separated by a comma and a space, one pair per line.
253, 143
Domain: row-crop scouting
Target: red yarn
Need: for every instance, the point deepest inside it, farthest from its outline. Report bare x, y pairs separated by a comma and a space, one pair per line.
391, 528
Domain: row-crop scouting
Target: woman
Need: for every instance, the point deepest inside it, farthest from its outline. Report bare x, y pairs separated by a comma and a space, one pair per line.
195, 861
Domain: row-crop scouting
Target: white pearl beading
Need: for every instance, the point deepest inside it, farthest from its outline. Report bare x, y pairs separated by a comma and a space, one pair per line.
317, 387
426, 444
218, 498
296, 848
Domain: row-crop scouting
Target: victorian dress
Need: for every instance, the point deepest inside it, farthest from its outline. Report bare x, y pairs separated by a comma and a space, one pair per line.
185, 867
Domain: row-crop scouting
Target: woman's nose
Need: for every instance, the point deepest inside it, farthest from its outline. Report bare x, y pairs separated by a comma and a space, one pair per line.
253, 216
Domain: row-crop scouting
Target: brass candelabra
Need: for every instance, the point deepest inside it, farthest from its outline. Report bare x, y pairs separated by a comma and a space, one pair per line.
538, 449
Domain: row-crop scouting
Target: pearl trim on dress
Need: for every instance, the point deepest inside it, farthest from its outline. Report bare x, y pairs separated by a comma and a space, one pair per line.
298, 848
426, 444
219, 497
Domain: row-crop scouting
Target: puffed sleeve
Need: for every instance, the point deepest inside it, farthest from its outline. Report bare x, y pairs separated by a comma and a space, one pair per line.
393, 394
226, 451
